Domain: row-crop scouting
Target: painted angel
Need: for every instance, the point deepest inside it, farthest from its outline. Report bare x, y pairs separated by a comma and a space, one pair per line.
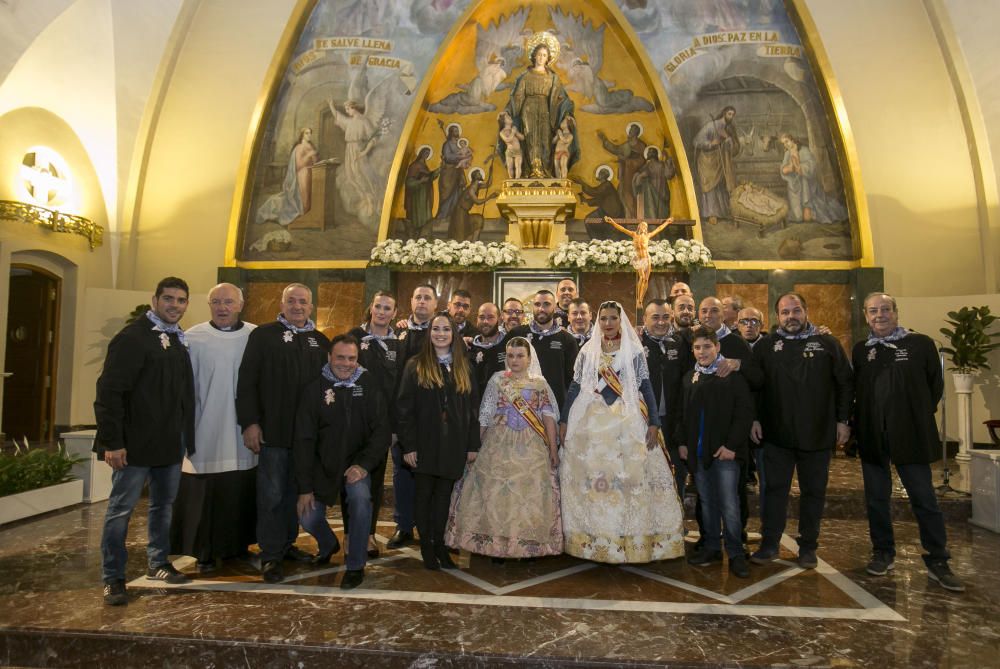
583, 47
371, 129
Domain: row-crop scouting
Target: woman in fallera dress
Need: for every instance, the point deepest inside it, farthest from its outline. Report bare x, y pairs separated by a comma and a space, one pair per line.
507, 503
619, 504
436, 413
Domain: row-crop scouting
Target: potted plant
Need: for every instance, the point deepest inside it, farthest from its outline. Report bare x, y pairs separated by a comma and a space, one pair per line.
34, 481
969, 343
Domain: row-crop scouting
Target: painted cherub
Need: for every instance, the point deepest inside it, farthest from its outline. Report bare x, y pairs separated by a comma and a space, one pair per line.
511, 137
464, 154
563, 139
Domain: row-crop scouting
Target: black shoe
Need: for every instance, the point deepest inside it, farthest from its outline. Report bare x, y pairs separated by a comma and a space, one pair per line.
704, 557
444, 558
807, 559
430, 560
273, 572
167, 574
400, 539
940, 573
738, 566
324, 558
114, 593
881, 564
373, 550
764, 555
352, 578
296, 554
206, 566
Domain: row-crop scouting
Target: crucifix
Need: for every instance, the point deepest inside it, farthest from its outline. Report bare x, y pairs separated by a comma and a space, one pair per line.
640, 241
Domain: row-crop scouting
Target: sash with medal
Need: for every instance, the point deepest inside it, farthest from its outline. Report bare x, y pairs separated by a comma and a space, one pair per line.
533, 419
610, 377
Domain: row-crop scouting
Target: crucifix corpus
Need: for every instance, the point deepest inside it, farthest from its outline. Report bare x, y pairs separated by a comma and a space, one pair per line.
642, 263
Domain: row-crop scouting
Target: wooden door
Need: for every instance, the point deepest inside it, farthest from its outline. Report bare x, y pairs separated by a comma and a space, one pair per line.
32, 317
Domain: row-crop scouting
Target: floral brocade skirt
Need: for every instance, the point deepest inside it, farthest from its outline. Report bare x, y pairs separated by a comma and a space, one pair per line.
507, 502
619, 503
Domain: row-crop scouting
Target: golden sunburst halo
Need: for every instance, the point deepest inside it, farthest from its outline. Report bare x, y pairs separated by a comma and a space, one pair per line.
549, 40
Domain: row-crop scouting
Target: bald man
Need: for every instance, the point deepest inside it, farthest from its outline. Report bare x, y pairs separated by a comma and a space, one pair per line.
215, 510
679, 288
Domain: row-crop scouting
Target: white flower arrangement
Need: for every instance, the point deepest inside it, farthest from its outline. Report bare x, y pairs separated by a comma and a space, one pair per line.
612, 255
446, 253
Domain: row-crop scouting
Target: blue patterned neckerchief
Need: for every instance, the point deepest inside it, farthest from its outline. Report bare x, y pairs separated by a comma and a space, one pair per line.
724, 331
533, 326
342, 383
163, 326
445, 359
662, 341
887, 340
479, 342
413, 325
808, 331
308, 327
711, 369
374, 337
581, 339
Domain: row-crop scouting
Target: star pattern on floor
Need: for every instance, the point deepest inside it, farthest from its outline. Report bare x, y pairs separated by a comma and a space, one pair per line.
781, 589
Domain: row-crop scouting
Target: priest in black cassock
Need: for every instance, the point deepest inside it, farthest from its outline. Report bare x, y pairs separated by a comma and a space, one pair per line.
556, 349
667, 361
804, 412
898, 384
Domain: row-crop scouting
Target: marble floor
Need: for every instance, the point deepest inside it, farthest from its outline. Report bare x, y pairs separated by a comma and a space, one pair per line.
559, 612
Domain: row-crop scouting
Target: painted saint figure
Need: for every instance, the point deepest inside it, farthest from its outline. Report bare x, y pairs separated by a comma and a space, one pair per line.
807, 201
538, 105
651, 185
452, 178
630, 161
716, 145
418, 196
360, 135
463, 224
295, 197
642, 263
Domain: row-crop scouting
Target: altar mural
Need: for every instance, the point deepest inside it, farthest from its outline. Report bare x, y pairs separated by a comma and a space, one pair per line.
382, 127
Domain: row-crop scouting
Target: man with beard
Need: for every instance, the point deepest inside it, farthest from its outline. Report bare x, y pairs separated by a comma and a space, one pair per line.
684, 312
145, 424
580, 321
898, 385
667, 360
458, 308
379, 354
565, 293
281, 358
486, 353
556, 349
513, 312
423, 305
804, 410
750, 323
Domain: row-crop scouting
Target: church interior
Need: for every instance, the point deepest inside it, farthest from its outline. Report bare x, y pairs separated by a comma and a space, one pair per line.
357, 146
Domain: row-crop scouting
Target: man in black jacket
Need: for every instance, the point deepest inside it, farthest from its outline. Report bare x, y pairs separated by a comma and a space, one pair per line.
341, 435
667, 361
805, 407
280, 360
898, 384
145, 424
486, 351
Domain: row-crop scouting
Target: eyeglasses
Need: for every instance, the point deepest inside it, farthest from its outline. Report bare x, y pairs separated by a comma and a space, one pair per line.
750, 322
514, 312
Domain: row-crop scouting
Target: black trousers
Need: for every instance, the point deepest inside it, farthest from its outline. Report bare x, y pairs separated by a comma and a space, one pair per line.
431, 502
916, 479
813, 468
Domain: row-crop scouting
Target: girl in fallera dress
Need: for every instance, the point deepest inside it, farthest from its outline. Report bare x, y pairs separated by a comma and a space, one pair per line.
619, 504
436, 412
507, 503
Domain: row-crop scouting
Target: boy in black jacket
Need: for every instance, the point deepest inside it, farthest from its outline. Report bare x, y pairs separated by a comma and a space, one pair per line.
342, 433
713, 434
